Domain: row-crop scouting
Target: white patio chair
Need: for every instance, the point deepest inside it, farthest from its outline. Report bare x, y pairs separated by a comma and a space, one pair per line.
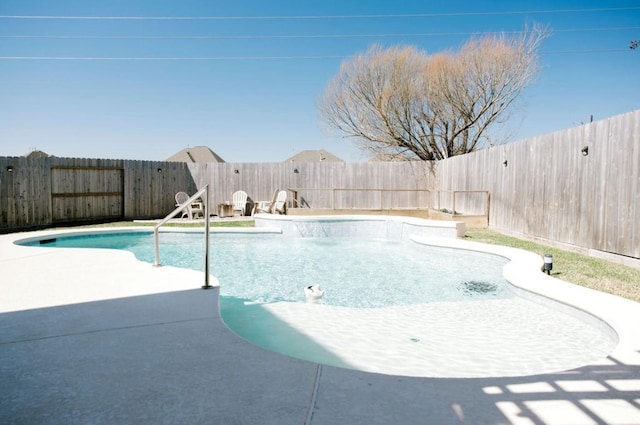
191, 209
278, 204
240, 202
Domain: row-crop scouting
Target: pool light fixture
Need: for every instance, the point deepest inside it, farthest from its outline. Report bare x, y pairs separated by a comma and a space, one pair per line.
548, 263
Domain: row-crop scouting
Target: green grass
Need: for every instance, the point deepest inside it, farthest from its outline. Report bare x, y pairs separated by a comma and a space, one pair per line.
594, 273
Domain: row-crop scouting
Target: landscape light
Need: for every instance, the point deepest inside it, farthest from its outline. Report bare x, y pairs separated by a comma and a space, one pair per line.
585, 151
10, 168
548, 263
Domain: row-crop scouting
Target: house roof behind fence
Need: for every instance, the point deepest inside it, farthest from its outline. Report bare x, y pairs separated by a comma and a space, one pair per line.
37, 154
314, 156
196, 154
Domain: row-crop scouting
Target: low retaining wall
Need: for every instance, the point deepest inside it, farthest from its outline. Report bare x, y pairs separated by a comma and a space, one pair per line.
370, 226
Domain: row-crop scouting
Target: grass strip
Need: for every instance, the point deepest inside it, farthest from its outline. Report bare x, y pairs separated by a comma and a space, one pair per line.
594, 273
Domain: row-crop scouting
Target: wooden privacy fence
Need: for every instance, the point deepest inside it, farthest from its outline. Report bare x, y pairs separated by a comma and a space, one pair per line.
78, 192
357, 198
40, 192
322, 184
468, 202
579, 187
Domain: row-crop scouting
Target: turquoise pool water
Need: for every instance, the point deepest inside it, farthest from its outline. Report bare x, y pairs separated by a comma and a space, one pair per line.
389, 307
356, 273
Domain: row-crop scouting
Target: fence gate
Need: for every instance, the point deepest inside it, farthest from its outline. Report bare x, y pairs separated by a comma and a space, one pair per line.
81, 194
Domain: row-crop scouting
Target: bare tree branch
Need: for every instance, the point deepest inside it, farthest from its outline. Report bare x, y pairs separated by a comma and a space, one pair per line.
402, 103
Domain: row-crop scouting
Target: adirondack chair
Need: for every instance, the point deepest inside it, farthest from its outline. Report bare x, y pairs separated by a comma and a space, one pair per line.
191, 209
240, 202
277, 205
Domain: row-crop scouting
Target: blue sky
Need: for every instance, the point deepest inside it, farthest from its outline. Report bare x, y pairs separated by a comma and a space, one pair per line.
251, 87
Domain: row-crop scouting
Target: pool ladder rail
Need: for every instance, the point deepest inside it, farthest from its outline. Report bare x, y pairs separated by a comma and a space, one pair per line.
204, 192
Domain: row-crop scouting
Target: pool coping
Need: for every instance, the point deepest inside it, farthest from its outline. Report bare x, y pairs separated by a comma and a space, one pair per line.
399, 227
251, 383
524, 272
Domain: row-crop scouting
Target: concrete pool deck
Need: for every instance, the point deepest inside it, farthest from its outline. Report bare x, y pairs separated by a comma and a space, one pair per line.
94, 336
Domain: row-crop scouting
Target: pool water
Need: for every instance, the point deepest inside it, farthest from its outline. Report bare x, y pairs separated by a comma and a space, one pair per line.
356, 273
389, 306
352, 272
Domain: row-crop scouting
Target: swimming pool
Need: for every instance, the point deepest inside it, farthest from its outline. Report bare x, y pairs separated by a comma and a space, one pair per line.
376, 315
355, 273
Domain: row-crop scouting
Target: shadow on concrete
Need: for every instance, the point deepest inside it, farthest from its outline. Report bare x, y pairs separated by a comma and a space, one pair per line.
162, 358
606, 394
168, 359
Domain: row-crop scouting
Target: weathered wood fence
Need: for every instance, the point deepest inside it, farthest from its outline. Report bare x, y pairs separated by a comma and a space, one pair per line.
579, 186
548, 187
40, 192
322, 184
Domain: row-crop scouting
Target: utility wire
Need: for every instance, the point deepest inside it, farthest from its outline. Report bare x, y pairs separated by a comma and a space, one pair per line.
243, 58
178, 58
322, 17
299, 36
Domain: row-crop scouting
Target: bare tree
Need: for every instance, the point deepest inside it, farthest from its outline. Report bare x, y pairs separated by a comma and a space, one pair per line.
400, 103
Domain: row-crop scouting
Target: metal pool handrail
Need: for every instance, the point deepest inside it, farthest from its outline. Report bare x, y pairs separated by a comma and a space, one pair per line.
204, 191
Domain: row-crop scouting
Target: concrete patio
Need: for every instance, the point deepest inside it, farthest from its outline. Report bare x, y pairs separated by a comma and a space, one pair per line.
95, 336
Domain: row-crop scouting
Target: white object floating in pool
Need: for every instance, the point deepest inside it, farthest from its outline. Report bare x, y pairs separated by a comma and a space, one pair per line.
313, 292
254, 302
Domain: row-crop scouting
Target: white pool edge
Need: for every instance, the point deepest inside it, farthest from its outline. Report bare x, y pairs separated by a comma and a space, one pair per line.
385, 226
524, 272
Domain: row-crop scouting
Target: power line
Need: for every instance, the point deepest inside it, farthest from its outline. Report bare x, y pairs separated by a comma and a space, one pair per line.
292, 36
555, 52
321, 17
178, 58
242, 58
